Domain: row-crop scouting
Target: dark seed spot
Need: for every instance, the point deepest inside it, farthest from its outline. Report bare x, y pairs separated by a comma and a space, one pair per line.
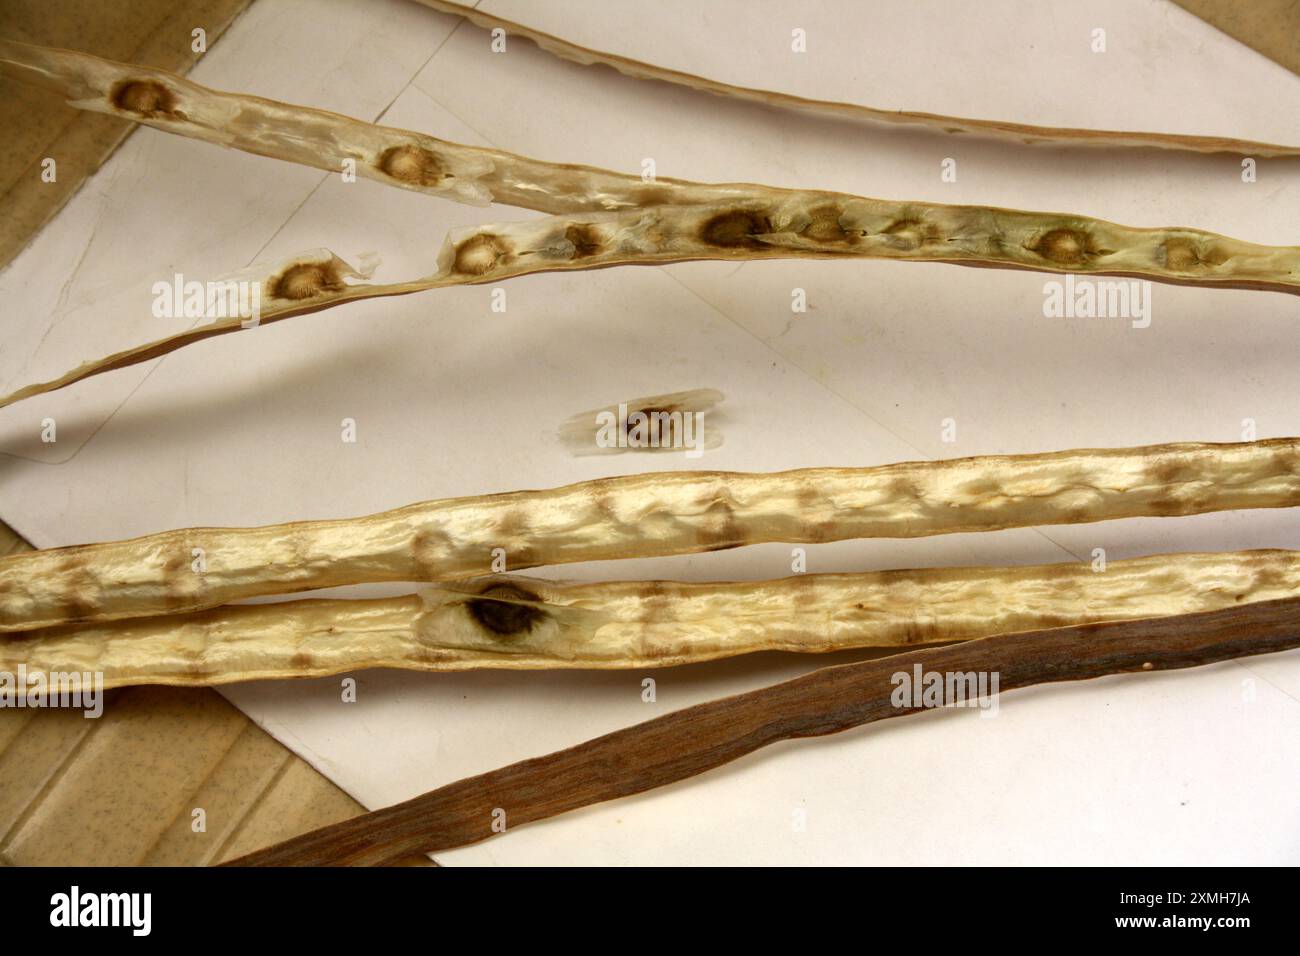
478, 254
586, 239
501, 617
304, 280
147, 98
412, 164
735, 229
1065, 246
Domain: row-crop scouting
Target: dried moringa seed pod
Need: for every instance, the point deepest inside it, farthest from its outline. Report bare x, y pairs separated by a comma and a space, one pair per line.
523, 624
640, 516
788, 225
330, 141
1023, 133
667, 221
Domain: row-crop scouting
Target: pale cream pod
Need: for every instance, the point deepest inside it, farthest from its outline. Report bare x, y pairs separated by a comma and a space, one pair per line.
524, 624
642, 515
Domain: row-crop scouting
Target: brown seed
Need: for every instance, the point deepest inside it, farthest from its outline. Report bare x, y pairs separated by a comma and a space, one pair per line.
478, 254
1065, 246
735, 229
147, 98
503, 618
305, 280
586, 239
412, 164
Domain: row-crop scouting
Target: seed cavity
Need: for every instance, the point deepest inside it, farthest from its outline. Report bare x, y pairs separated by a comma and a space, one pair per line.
909, 233
306, 280
479, 254
1187, 255
586, 239
1181, 254
1069, 247
824, 225
735, 229
412, 164
503, 617
147, 98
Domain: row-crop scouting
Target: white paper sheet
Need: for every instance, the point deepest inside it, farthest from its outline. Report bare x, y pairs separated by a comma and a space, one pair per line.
451, 398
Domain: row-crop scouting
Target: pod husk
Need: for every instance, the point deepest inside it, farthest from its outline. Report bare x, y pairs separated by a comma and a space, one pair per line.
603, 218
640, 516
517, 623
1003, 130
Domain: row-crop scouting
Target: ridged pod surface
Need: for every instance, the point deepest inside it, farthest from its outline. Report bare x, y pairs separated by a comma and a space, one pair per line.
641, 516
603, 218
788, 225
526, 624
